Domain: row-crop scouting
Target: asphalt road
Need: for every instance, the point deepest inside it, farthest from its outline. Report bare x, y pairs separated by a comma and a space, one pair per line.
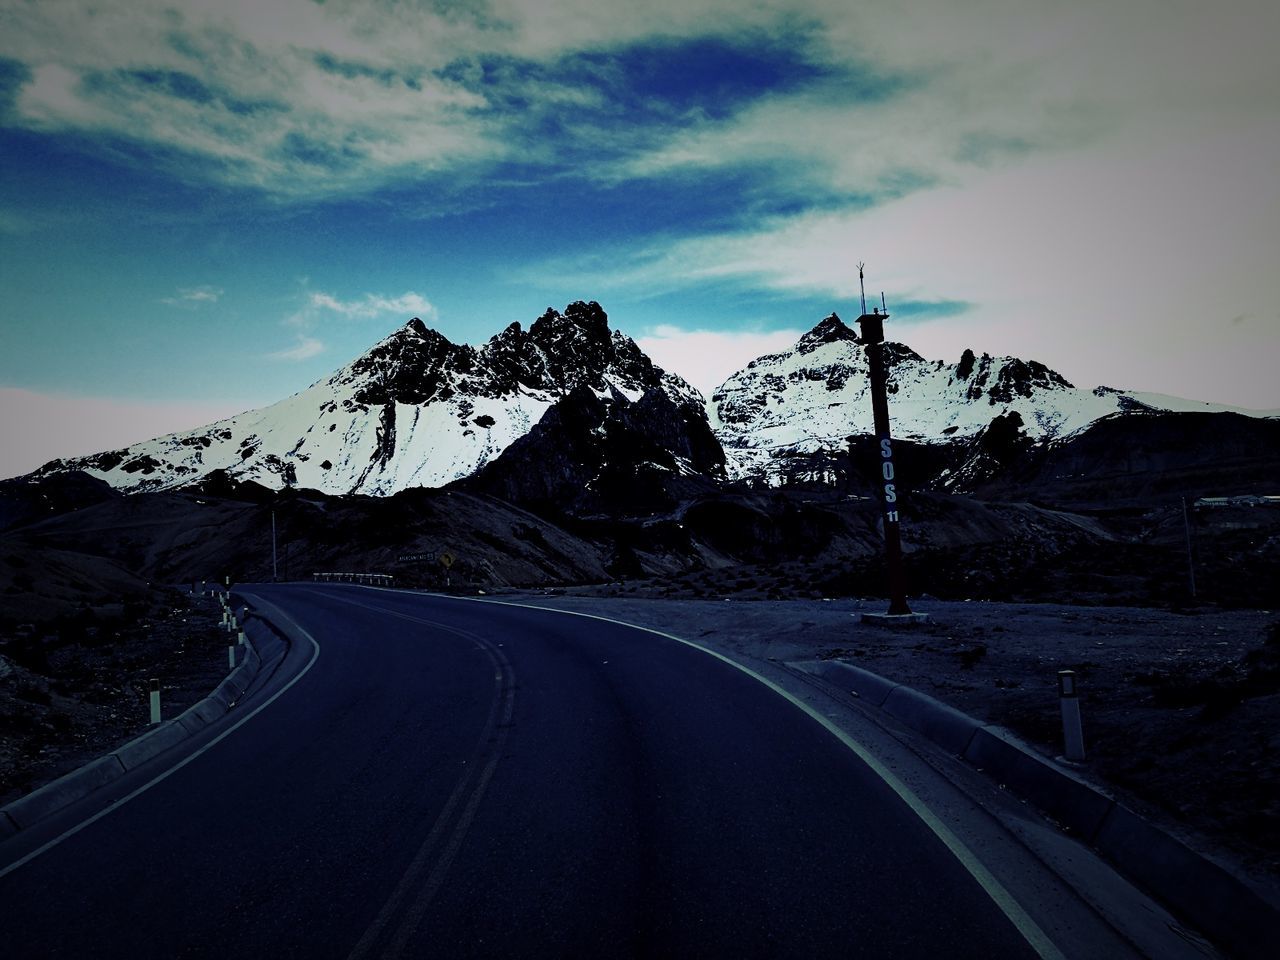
462, 779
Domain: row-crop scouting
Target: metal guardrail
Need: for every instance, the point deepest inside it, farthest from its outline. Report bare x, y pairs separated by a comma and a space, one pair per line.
369, 579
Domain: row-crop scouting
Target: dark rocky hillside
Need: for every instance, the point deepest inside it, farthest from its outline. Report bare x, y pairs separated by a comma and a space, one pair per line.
593, 455
1148, 455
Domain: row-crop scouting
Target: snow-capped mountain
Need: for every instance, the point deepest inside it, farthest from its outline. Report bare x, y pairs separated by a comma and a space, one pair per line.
809, 400
414, 411
419, 411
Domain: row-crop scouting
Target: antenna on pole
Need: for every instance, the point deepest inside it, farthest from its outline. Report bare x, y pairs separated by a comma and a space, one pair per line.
882, 304
862, 287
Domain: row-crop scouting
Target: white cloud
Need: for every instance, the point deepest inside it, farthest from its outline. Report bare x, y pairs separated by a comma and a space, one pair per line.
373, 305
1121, 266
305, 348
194, 296
38, 427
303, 98
247, 89
706, 358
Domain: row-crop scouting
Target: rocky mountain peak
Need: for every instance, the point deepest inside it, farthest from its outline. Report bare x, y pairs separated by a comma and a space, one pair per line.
565, 350
828, 330
895, 353
410, 366
581, 321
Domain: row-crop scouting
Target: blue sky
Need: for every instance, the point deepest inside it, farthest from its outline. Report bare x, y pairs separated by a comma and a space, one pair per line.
207, 206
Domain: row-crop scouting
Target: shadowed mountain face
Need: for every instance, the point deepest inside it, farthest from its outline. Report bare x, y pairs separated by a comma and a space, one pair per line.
607, 455
1144, 456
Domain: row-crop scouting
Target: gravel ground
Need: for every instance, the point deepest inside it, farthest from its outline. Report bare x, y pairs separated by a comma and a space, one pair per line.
75, 690
1181, 710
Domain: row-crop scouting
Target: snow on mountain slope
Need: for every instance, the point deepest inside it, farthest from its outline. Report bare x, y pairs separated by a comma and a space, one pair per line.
812, 397
416, 410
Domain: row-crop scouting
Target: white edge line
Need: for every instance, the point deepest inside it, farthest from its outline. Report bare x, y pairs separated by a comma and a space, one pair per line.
177, 766
994, 889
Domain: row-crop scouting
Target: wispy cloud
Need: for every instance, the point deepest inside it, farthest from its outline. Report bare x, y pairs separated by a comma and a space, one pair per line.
305, 348
191, 297
319, 308
373, 305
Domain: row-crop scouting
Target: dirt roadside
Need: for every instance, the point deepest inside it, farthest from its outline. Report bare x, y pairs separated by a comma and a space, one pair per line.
74, 688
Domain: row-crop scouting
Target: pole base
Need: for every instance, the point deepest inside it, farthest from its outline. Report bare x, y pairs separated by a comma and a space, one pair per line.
894, 619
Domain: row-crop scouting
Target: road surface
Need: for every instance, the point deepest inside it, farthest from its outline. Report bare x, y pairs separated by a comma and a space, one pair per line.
449, 778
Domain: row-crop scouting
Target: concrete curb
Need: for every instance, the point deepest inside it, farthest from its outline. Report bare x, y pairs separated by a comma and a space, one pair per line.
944, 726
1211, 899
263, 645
65, 790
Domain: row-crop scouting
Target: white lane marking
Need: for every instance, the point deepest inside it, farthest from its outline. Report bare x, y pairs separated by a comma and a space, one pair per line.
994, 889
315, 655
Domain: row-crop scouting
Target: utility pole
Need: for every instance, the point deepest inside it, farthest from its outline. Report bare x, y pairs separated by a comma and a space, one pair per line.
872, 326
275, 575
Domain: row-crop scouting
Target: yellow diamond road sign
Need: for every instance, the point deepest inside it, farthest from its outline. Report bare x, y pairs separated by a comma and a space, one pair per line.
447, 560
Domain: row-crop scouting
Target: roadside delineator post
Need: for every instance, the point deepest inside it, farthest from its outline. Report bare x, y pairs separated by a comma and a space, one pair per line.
155, 700
1072, 733
231, 655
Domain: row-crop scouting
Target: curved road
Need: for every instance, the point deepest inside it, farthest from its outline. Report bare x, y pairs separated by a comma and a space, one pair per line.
451, 778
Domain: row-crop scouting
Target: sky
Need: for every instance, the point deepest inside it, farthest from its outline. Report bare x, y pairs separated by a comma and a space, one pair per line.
206, 206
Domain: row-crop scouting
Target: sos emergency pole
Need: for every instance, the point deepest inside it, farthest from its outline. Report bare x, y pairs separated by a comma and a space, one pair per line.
872, 325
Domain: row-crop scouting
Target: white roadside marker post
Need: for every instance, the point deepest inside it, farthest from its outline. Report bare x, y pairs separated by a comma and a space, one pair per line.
231, 655
155, 700
1072, 733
